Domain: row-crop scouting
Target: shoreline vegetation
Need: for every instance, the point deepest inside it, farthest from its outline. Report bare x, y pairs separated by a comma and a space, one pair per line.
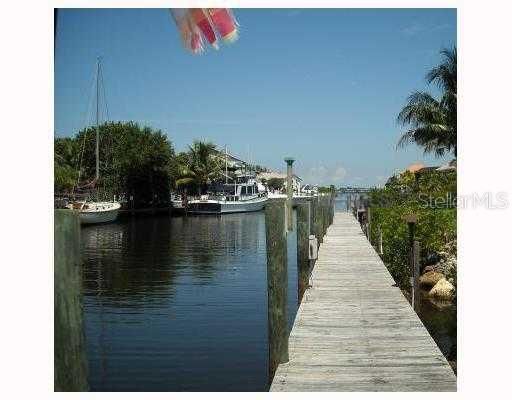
430, 123
138, 162
429, 194
436, 229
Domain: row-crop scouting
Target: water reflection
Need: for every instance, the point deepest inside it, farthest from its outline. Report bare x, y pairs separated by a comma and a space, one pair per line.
179, 303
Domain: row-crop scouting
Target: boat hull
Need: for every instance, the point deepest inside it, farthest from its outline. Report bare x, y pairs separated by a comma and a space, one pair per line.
225, 207
99, 213
98, 217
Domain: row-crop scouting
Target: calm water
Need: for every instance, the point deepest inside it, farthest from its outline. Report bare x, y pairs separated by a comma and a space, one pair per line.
179, 303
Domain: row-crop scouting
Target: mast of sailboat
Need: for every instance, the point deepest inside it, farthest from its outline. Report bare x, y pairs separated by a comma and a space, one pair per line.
97, 120
226, 159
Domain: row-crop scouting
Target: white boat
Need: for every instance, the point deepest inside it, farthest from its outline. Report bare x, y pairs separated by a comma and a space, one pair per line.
246, 197
96, 212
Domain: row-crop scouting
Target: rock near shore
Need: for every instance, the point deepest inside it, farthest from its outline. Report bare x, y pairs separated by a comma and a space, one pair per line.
430, 278
442, 290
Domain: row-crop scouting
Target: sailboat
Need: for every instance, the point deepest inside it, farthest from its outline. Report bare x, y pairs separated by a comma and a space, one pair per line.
96, 212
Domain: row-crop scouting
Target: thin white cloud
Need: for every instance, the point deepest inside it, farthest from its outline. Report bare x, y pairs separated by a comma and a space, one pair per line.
416, 28
412, 29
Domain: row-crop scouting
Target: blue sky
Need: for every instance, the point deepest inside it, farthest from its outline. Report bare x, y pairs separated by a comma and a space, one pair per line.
324, 86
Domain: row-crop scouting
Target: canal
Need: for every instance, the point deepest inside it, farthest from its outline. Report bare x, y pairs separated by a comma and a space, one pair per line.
180, 303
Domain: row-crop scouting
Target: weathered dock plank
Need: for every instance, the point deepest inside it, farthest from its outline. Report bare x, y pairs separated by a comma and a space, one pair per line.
354, 330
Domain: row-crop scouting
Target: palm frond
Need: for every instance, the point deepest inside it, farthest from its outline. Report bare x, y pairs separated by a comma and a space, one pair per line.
432, 123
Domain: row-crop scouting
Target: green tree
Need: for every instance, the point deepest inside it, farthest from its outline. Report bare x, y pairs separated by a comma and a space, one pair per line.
199, 167
133, 161
417, 193
432, 122
65, 164
275, 183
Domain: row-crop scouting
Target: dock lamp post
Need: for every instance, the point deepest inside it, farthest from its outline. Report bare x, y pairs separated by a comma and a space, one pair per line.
289, 193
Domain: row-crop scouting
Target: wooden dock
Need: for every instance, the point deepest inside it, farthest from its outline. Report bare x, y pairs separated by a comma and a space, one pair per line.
354, 330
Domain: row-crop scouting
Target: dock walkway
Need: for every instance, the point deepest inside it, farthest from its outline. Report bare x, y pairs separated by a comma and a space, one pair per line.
354, 330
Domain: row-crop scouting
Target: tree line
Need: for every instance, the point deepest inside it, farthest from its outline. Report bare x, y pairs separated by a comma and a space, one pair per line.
135, 161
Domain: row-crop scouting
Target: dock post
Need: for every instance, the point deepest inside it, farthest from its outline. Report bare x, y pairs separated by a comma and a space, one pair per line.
70, 364
369, 220
333, 206
322, 218
277, 283
302, 247
411, 220
415, 276
330, 203
289, 193
326, 214
379, 241
315, 217
318, 215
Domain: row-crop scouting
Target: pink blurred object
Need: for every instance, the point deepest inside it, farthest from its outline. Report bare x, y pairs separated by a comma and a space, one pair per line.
197, 25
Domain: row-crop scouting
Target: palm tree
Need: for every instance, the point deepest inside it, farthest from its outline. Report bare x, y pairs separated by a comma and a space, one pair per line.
200, 167
433, 122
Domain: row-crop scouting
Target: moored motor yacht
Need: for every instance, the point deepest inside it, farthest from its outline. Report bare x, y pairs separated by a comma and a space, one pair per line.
245, 195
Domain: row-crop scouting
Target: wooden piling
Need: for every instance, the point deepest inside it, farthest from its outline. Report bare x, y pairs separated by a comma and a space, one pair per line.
322, 217
277, 283
415, 276
289, 193
70, 363
411, 220
332, 207
379, 241
302, 247
316, 219
369, 222
326, 214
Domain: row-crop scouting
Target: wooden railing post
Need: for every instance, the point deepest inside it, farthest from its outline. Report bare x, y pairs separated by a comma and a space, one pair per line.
302, 247
277, 283
369, 220
70, 363
289, 193
415, 276
411, 220
326, 215
317, 224
379, 241
322, 217
332, 207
